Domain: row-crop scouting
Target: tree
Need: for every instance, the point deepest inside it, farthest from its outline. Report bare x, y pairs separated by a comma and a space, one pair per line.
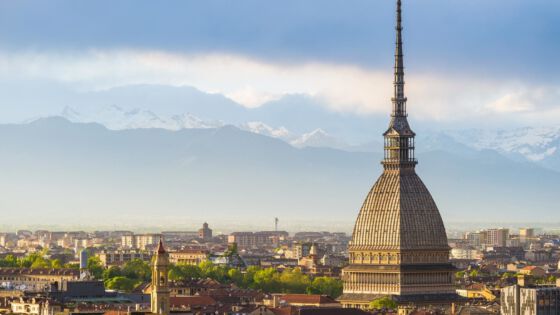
235, 276
72, 266
137, 269
9, 261
184, 272
383, 303
508, 275
209, 270
121, 284
27, 261
112, 272
294, 281
474, 273
325, 285
267, 280
40, 263
95, 268
56, 264
249, 277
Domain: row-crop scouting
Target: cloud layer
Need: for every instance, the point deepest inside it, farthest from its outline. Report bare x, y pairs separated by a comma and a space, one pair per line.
250, 82
492, 38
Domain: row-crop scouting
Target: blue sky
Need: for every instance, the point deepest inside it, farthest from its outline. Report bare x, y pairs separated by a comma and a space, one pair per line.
502, 51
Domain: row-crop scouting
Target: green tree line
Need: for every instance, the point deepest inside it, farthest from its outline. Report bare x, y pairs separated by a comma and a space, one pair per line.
135, 272
290, 280
293, 280
34, 261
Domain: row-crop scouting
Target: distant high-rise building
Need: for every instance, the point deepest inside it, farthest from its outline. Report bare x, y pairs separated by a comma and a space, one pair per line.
205, 232
525, 298
121, 257
245, 240
139, 241
497, 237
3, 239
84, 272
526, 234
475, 239
399, 245
302, 249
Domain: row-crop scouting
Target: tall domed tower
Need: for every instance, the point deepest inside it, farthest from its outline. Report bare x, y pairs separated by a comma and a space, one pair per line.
399, 245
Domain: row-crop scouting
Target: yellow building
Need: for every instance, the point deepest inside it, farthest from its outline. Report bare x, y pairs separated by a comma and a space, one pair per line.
188, 257
533, 271
160, 282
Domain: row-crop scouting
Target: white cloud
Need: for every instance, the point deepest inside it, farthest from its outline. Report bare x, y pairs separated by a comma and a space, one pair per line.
523, 99
511, 102
251, 97
253, 82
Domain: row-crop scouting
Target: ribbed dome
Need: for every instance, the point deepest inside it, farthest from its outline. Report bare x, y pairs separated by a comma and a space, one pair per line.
399, 214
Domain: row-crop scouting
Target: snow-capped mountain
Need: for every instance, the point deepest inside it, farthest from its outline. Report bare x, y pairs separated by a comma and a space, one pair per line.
264, 129
537, 145
194, 164
115, 118
533, 144
188, 121
318, 138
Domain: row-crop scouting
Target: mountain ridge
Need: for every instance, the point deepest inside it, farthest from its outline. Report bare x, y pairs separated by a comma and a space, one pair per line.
56, 170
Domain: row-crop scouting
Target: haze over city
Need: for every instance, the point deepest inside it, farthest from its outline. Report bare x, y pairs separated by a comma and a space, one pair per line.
239, 113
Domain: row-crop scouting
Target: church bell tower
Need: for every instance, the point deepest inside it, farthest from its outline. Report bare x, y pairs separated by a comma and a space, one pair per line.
160, 281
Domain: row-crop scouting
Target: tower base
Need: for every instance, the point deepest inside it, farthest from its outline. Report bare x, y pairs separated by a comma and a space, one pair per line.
441, 301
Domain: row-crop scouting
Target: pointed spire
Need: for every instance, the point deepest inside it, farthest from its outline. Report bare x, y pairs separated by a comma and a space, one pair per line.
399, 138
160, 248
399, 100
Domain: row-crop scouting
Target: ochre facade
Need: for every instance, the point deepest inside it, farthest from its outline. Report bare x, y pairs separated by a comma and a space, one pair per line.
160, 292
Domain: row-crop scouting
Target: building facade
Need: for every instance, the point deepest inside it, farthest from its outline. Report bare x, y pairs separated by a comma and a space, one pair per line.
497, 237
526, 234
256, 239
399, 245
37, 279
188, 257
139, 241
205, 232
518, 300
120, 257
